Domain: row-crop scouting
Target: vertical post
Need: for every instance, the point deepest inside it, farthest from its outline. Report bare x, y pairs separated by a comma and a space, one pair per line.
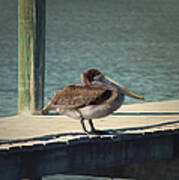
31, 55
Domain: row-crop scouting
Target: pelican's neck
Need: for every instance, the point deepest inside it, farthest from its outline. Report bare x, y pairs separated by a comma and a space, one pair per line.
109, 84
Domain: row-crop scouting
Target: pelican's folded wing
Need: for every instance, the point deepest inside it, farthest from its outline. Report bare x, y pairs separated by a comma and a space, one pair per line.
76, 96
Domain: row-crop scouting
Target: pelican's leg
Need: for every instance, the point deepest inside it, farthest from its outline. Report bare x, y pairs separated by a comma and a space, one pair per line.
94, 130
91, 125
83, 125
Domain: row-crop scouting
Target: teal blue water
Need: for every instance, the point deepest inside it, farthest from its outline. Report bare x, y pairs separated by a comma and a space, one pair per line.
136, 43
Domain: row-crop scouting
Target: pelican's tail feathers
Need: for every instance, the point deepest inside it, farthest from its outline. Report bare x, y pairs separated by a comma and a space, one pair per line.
46, 108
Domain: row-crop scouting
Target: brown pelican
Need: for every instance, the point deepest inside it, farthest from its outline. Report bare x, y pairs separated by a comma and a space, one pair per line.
96, 97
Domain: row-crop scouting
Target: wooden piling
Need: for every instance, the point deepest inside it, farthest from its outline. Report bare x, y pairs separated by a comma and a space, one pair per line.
31, 55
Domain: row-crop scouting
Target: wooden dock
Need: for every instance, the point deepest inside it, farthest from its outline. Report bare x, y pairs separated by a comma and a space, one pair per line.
140, 136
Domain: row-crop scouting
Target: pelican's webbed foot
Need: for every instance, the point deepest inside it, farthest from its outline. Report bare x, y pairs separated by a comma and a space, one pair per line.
93, 130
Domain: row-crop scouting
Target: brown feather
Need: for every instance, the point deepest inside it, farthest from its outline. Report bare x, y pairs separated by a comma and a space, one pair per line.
75, 96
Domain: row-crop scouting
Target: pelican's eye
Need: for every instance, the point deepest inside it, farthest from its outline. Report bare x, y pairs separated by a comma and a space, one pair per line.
96, 75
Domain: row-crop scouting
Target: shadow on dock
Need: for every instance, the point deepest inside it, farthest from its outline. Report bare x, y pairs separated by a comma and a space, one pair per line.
113, 132
145, 113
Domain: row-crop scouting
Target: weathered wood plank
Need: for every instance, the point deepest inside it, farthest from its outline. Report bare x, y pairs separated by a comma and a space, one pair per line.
30, 130
53, 144
89, 158
31, 55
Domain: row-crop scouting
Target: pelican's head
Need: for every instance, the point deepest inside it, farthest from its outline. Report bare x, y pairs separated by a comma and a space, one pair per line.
97, 78
92, 76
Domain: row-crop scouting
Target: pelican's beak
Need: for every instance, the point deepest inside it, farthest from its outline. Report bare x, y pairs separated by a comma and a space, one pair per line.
123, 90
129, 93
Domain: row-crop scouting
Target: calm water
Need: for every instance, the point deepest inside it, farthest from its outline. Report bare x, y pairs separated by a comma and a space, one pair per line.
136, 43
